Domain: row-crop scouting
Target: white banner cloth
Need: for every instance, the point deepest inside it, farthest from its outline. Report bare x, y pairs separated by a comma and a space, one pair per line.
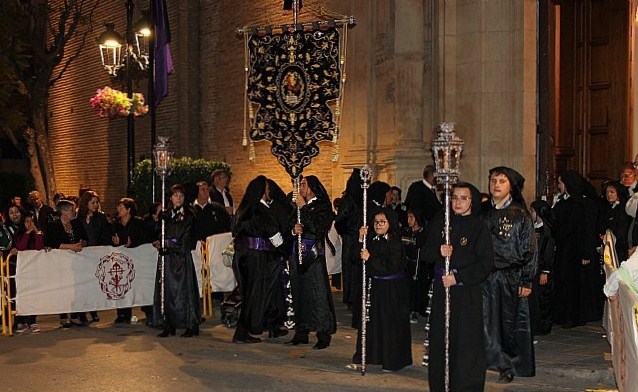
97, 278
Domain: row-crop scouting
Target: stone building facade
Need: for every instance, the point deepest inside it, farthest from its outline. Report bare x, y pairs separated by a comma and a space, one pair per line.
410, 65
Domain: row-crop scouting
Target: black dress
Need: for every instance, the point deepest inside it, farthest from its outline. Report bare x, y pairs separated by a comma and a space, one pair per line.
578, 296
312, 296
181, 294
614, 218
259, 269
388, 336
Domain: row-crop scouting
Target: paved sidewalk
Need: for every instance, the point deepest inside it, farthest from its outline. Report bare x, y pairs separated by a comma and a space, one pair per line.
103, 357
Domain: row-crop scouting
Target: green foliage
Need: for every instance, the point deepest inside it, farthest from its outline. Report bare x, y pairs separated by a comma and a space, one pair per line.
185, 170
12, 184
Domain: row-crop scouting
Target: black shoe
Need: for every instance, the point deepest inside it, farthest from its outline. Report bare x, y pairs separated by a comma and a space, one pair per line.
189, 333
166, 332
64, 323
94, 317
122, 320
297, 341
506, 377
246, 340
277, 333
320, 345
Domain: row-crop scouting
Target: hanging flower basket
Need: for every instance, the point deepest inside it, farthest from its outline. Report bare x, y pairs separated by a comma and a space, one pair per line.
113, 103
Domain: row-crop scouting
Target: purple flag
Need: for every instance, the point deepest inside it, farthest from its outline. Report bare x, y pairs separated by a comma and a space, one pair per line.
163, 61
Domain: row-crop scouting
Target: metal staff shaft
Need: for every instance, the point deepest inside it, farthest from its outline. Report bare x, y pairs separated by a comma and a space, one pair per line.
447, 148
365, 177
163, 238
447, 289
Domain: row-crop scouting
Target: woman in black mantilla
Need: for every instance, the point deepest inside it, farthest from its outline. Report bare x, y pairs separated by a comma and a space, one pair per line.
471, 261
181, 293
388, 337
578, 296
257, 238
312, 296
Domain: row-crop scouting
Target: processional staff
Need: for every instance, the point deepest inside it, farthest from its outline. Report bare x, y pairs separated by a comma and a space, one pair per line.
366, 175
163, 159
447, 148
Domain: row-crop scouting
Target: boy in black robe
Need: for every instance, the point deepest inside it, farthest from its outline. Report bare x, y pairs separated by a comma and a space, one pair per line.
509, 343
471, 261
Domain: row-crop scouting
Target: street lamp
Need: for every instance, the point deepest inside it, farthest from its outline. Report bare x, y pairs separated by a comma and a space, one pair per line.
110, 44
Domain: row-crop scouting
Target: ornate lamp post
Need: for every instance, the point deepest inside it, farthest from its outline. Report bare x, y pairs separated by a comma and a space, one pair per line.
110, 44
447, 148
163, 154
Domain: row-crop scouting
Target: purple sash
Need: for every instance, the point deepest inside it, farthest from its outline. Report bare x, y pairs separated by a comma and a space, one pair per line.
309, 246
397, 275
254, 243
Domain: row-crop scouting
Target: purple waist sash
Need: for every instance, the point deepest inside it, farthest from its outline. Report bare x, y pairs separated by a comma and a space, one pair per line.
254, 243
397, 275
309, 246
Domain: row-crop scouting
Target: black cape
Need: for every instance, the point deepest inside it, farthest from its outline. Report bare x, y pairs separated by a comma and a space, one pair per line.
181, 293
311, 293
472, 259
388, 336
259, 272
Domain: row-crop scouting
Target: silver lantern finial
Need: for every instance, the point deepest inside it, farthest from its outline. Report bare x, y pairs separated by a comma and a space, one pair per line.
163, 153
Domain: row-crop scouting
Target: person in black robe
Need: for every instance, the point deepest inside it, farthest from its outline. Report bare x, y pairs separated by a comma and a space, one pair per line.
347, 223
420, 273
471, 261
509, 344
578, 283
388, 337
379, 196
312, 297
542, 296
257, 237
613, 217
181, 306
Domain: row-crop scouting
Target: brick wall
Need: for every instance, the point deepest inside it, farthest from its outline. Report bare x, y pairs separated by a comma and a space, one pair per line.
203, 112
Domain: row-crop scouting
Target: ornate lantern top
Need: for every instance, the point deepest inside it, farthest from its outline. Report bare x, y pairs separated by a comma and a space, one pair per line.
366, 176
447, 148
163, 153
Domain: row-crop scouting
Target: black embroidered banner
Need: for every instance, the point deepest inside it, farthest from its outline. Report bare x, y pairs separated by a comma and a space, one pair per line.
292, 76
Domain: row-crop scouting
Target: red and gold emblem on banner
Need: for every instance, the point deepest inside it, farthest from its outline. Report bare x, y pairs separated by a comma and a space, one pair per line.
115, 273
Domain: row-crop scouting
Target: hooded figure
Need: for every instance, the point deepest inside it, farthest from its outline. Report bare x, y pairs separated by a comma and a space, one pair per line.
509, 344
578, 282
257, 237
347, 224
312, 296
470, 263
